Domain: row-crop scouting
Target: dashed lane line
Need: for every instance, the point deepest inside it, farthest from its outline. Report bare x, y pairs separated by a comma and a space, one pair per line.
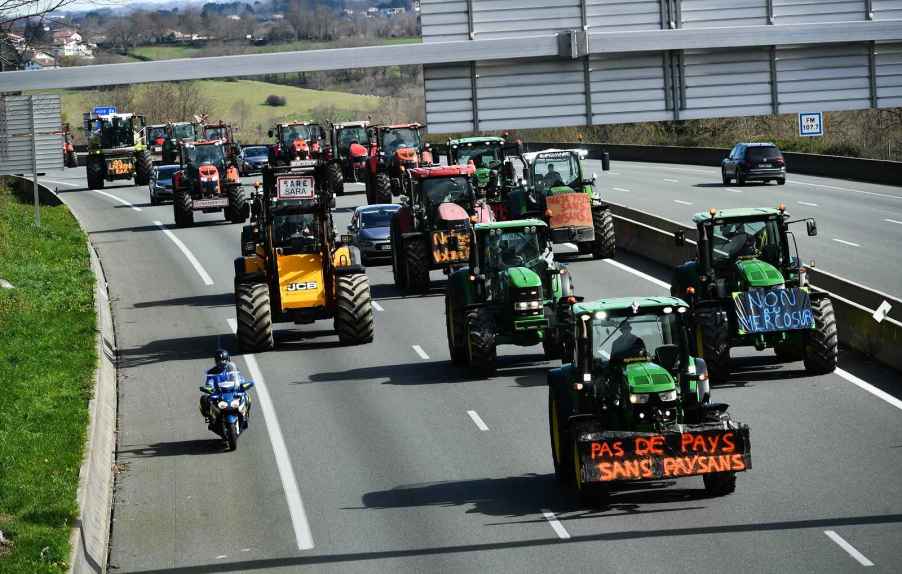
733, 190
681, 202
187, 253
118, 199
42, 180
807, 204
302, 534
850, 550
377, 306
844, 242
637, 273
556, 525
419, 351
671, 180
477, 420
861, 191
622, 189
893, 221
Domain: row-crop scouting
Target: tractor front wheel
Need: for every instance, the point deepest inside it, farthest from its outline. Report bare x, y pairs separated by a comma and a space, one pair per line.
96, 167
336, 178
561, 455
551, 344
182, 209
254, 317
715, 344
354, 318
397, 256
416, 265
604, 246
821, 351
238, 208
454, 325
481, 349
143, 167
719, 483
381, 189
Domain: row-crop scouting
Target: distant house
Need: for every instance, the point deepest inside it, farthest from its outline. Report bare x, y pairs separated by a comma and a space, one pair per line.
235, 17
372, 12
40, 60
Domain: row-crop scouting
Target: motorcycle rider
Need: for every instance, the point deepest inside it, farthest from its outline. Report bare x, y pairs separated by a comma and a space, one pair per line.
223, 367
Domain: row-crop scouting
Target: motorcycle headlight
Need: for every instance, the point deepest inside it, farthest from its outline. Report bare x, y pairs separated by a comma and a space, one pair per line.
639, 399
235, 402
668, 396
222, 405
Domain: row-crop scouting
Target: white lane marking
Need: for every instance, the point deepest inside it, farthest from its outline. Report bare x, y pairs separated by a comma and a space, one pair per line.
847, 189
556, 525
807, 203
119, 199
851, 550
221, 556
477, 420
614, 172
637, 273
623, 189
880, 394
419, 350
681, 202
734, 190
893, 221
187, 253
844, 242
302, 534
671, 180
41, 179
377, 306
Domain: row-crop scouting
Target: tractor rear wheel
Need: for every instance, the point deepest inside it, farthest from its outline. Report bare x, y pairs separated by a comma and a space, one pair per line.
335, 178
455, 327
95, 169
416, 265
561, 455
381, 189
719, 483
71, 159
481, 349
604, 245
354, 319
143, 167
397, 256
238, 208
254, 317
181, 208
821, 352
551, 344
715, 344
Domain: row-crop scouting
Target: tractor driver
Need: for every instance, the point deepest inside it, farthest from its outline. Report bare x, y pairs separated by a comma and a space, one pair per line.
627, 345
396, 142
552, 178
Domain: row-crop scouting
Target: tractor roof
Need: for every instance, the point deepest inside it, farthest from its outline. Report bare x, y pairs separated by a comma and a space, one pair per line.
399, 126
512, 224
202, 142
476, 140
359, 124
736, 213
298, 124
442, 171
530, 157
178, 123
620, 303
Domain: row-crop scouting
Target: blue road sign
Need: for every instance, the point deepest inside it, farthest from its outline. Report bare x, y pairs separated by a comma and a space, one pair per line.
811, 124
104, 110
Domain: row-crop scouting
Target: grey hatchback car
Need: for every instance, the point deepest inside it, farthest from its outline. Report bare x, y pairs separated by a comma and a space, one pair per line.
370, 230
160, 183
754, 162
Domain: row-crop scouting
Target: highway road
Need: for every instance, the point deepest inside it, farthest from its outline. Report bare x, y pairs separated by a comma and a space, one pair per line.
859, 224
386, 458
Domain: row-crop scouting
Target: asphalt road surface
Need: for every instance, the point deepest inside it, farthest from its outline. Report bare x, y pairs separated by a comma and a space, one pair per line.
386, 458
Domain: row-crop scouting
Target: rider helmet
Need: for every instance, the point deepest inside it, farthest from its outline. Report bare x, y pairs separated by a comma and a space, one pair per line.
222, 358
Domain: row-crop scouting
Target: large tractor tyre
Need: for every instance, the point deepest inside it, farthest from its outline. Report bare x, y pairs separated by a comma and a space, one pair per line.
821, 344
789, 352
354, 318
719, 483
335, 178
181, 209
95, 169
397, 256
604, 246
482, 352
561, 455
551, 344
381, 189
455, 326
71, 159
594, 495
715, 342
254, 313
416, 265
238, 209
143, 167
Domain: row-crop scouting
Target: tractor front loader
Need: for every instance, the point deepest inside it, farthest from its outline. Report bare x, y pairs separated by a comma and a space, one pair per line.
116, 149
291, 268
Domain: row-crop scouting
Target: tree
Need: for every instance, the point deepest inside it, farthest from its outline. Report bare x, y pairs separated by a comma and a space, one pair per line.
13, 11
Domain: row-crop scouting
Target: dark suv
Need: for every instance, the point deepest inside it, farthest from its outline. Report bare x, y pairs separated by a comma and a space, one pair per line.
754, 162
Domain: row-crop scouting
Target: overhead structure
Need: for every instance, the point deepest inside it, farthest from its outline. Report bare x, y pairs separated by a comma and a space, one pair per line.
656, 60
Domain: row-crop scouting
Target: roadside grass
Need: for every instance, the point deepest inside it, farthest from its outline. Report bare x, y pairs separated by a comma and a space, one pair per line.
47, 359
175, 52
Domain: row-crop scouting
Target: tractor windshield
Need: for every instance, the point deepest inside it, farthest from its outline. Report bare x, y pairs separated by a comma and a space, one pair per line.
116, 132
447, 190
296, 232
155, 133
636, 337
556, 169
482, 155
298, 132
347, 136
201, 154
395, 138
505, 248
216, 133
183, 131
733, 240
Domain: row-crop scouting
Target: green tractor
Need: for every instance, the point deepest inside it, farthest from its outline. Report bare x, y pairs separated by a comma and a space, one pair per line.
177, 133
747, 287
116, 149
630, 402
487, 154
512, 292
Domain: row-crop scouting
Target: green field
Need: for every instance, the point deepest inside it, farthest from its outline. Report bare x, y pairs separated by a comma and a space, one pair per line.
47, 357
165, 52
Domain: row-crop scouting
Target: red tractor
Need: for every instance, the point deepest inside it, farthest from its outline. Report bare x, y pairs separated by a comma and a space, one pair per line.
347, 154
224, 132
393, 150
296, 141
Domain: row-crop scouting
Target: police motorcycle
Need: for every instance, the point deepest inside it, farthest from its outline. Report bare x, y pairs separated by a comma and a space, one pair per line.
227, 404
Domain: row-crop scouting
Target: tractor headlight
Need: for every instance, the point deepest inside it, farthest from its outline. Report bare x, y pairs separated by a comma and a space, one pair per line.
235, 402
639, 398
668, 396
222, 405
521, 305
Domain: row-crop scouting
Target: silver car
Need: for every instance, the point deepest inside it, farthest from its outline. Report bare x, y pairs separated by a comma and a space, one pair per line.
161, 183
370, 230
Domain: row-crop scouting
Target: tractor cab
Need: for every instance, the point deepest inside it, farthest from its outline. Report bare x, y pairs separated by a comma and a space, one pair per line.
116, 149
491, 156
113, 131
296, 141
177, 133
554, 172
350, 140
440, 192
393, 150
196, 155
156, 137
